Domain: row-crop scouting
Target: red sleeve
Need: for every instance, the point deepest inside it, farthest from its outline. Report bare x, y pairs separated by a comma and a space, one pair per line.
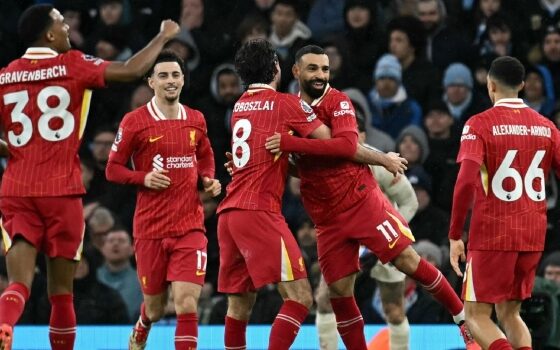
344, 145
121, 151
472, 144
342, 115
205, 155
90, 70
299, 115
463, 196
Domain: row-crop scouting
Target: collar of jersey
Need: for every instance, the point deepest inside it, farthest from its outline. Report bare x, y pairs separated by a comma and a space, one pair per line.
157, 114
38, 53
254, 87
510, 103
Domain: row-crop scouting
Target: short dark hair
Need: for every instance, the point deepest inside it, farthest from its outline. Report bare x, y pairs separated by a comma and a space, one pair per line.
414, 30
167, 56
34, 22
508, 71
255, 62
313, 49
291, 3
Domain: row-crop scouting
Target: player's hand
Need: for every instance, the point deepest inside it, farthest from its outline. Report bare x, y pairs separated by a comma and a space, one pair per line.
212, 186
155, 180
394, 163
229, 164
456, 252
273, 143
169, 29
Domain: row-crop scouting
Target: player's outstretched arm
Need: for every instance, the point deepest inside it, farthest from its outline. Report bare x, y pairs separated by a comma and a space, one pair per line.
463, 195
391, 161
138, 65
342, 146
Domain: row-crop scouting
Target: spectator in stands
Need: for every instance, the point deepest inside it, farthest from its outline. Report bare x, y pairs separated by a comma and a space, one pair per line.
288, 34
326, 18
412, 144
445, 44
407, 41
214, 44
338, 64
538, 92
225, 89
140, 96
459, 96
253, 26
118, 199
117, 272
95, 303
550, 267
500, 40
392, 109
362, 39
551, 54
430, 222
443, 140
484, 10
99, 221
539, 15
374, 137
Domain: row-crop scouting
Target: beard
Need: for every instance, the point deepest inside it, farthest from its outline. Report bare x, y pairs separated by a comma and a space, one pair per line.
307, 87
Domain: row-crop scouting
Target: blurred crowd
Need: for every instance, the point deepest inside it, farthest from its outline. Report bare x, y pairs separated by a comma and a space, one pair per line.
415, 71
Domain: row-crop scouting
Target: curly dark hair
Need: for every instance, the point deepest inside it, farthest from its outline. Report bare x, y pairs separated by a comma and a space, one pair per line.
255, 62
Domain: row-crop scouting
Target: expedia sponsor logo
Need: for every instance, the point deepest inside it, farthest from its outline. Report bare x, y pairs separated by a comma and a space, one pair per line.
468, 137
343, 113
181, 162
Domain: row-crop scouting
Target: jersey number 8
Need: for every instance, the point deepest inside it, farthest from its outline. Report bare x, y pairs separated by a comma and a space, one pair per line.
240, 142
21, 98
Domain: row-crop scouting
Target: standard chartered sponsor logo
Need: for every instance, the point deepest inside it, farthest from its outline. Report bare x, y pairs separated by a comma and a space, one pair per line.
178, 162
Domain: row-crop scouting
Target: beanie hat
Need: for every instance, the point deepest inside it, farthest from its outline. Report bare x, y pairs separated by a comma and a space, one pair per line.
457, 74
388, 67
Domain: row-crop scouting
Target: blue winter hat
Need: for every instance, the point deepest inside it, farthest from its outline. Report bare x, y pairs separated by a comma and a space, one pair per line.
457, 74
388, 66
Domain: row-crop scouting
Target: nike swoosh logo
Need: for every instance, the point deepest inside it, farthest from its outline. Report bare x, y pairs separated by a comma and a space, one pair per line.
154, 139
392, 245
200, 273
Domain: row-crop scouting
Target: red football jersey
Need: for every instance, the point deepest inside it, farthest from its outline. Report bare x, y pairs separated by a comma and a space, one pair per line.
515, 147
338, 182
259, 176
156, 143
44, 104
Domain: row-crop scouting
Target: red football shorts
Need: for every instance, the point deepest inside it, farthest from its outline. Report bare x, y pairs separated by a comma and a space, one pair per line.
495, 276
372, 222
256, 248
53, 225
163, 260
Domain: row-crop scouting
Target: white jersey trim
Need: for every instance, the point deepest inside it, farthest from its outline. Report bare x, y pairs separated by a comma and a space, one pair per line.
157, 114
510, 103
39, 53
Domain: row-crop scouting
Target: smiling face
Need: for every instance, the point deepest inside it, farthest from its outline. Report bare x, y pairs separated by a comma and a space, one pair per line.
167, 81
312, 72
